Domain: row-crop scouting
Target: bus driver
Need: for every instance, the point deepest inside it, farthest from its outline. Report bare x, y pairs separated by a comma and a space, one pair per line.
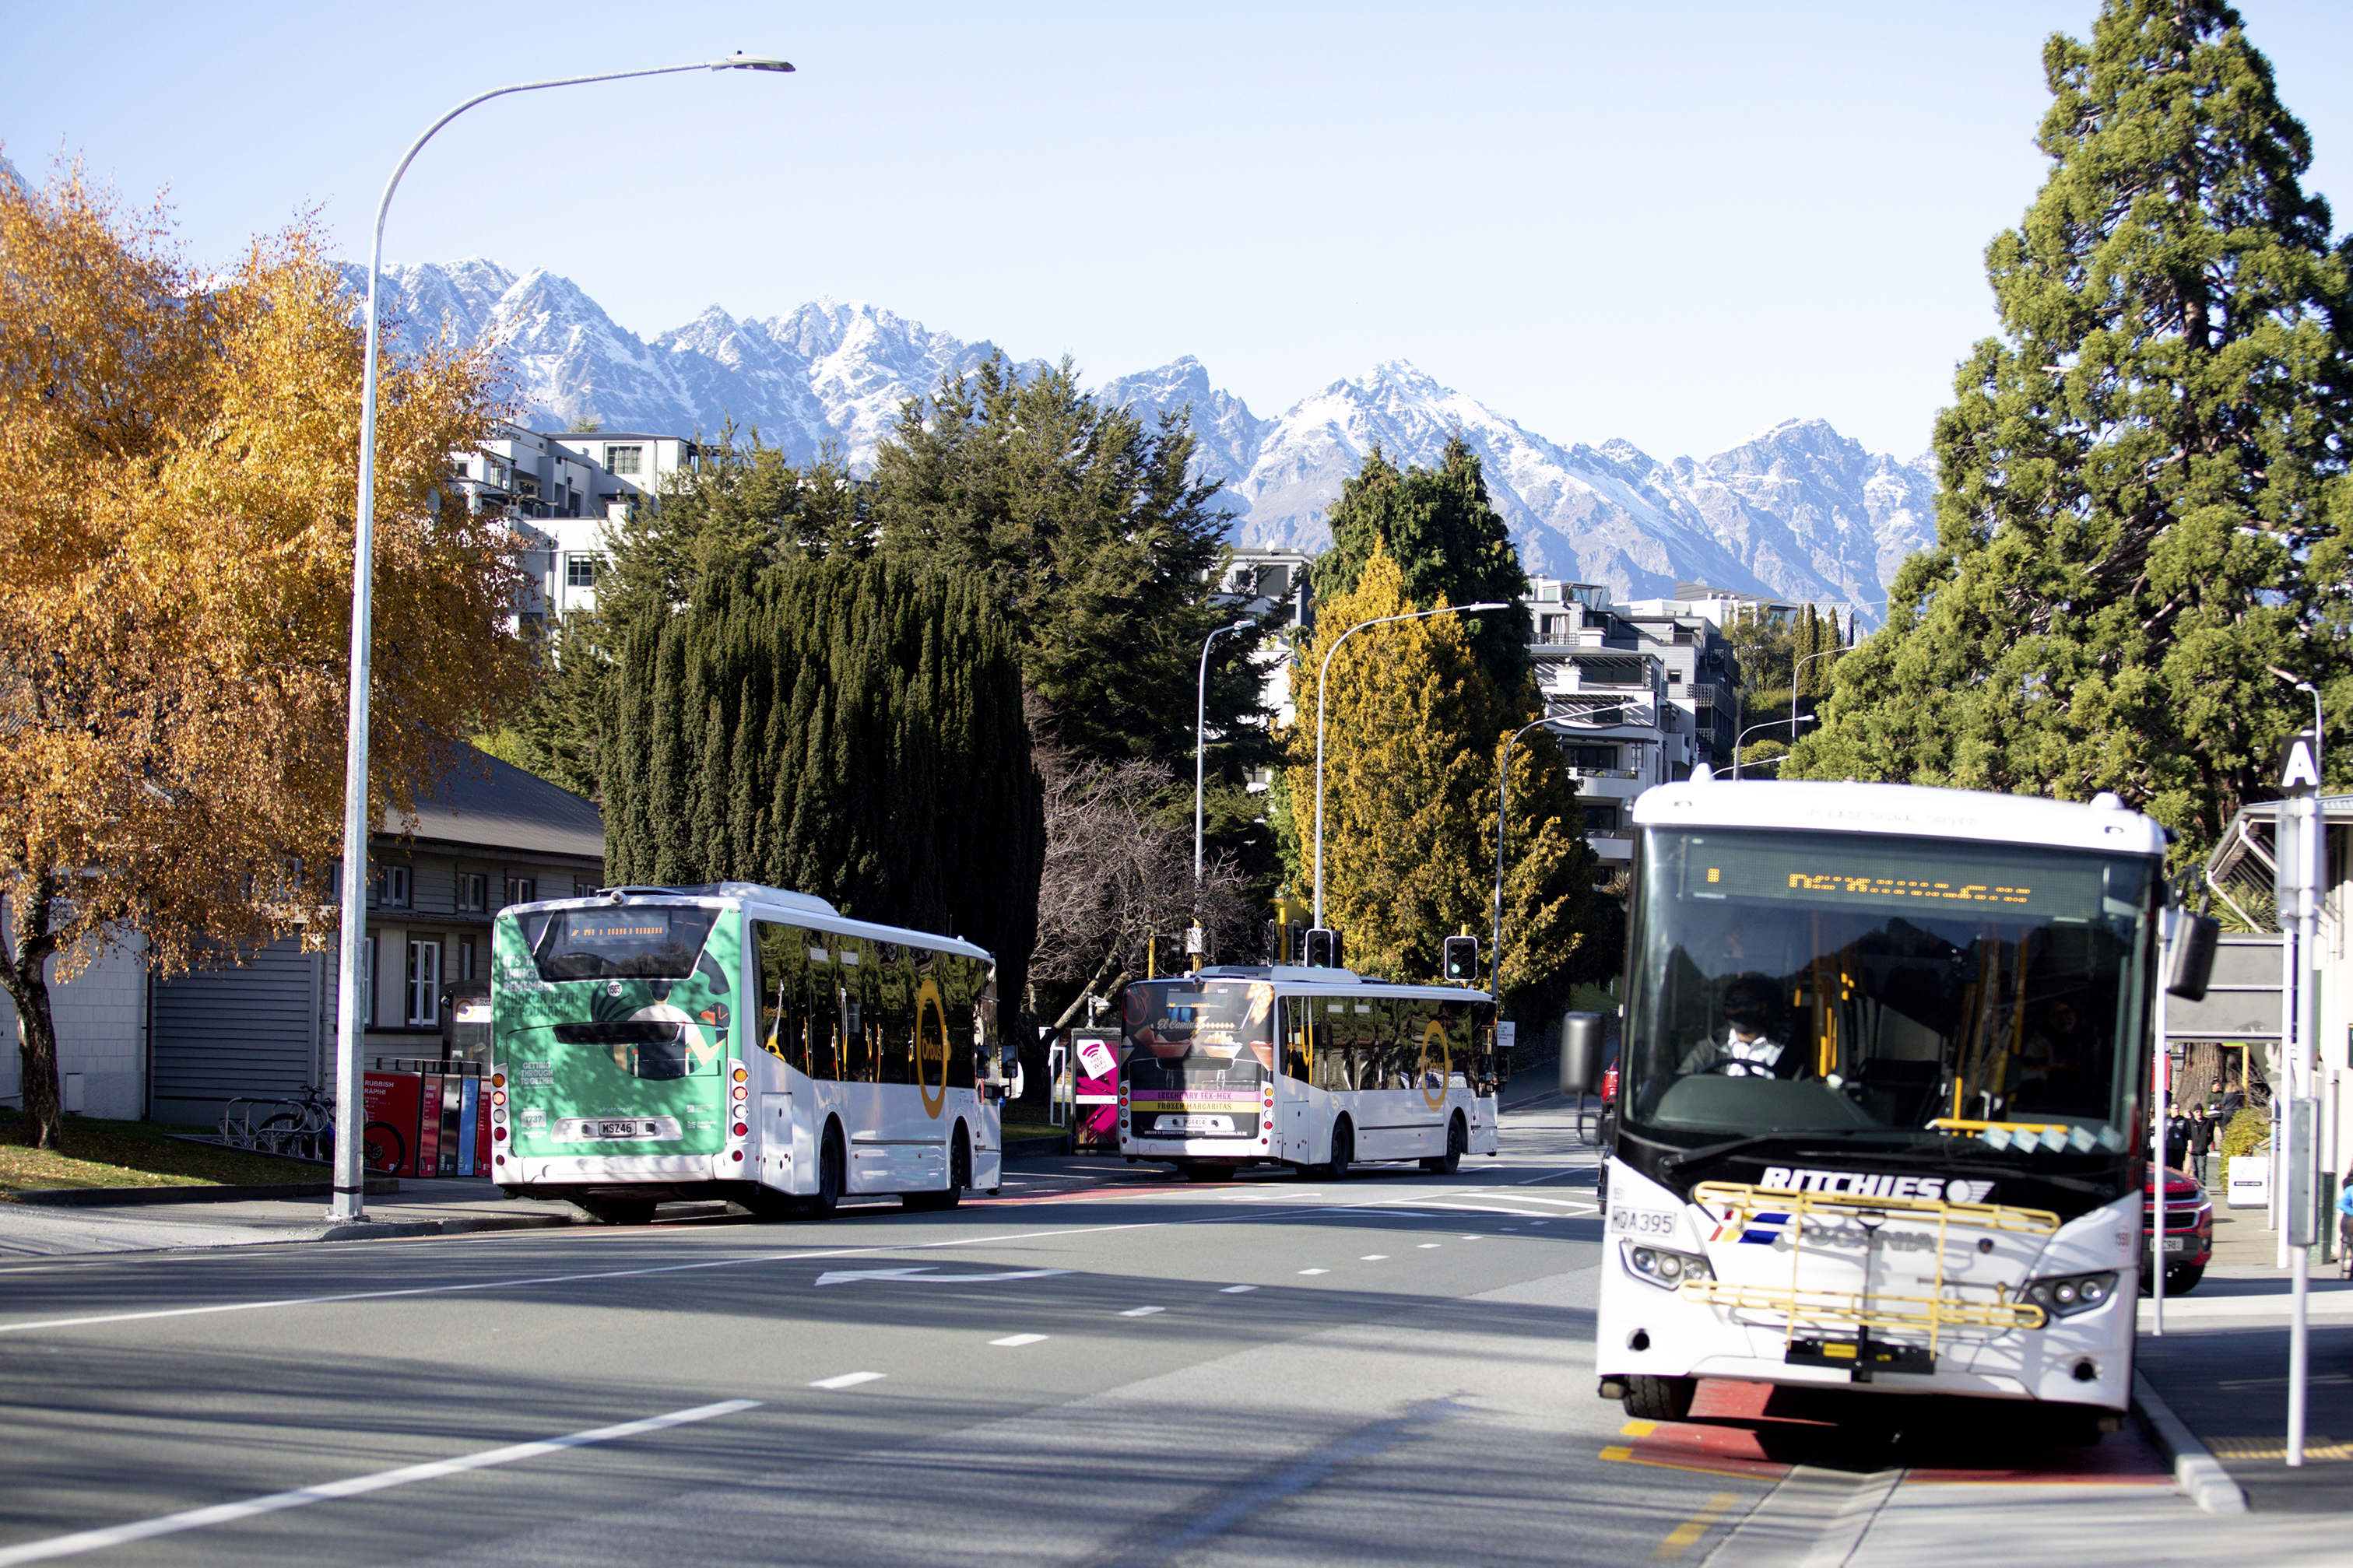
1749, 1046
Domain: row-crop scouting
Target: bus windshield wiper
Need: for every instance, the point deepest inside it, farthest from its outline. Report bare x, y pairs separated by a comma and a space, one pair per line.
1793, 1135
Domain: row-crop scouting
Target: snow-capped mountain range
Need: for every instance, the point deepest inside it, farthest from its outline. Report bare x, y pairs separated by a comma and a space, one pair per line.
1798, 512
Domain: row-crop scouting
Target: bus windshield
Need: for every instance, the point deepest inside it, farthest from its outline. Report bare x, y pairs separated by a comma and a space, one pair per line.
1886, 988
632, 943
1178, 1032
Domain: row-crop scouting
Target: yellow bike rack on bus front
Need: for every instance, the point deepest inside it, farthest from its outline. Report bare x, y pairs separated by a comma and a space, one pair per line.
1863, 1311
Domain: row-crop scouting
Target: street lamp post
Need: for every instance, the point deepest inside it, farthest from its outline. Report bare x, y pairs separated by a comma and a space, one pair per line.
1200, 720
1769, 724
1502, 796
350, 1176
2299, 1024
1324, 670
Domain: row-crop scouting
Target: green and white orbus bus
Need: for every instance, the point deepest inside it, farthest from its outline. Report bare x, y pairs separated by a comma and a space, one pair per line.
739, 1042
1311, 1068
1882, 1114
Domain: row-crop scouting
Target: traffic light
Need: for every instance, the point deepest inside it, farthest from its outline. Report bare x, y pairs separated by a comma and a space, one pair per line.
1322, 947
1462, 959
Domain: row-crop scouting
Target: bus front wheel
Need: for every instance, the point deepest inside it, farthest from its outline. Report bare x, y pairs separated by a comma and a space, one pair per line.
1458, 1143
1660, 1398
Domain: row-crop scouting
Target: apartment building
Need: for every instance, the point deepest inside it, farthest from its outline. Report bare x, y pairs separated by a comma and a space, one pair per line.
1646, 692
560, 490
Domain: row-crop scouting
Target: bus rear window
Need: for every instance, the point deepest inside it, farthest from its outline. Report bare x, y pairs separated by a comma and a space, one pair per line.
625, 943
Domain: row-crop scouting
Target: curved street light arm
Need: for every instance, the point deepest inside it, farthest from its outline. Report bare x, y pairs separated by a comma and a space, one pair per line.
350, 1176
1769, 724
1324, 670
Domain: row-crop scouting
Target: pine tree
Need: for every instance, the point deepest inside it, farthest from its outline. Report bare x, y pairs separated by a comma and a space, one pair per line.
1447, 540
2144, 499
1095, 546
1415, 730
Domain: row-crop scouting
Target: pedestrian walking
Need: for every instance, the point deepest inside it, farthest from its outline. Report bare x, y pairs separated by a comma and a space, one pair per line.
2176, 1137
2203, 1135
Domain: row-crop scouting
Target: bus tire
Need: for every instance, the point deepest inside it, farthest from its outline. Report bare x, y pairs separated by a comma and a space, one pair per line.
1660, 1398
828, 1174
1458, 1143
619, 1211
1344, 1151
959, 1178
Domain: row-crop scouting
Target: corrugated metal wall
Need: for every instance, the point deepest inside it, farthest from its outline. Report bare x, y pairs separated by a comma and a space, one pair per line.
229, 1031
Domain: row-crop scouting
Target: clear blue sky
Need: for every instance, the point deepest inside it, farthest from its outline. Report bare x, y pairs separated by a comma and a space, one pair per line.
1676, 224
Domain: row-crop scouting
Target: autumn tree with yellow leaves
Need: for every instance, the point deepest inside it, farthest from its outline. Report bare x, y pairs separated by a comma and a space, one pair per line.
178, 477
1414, 736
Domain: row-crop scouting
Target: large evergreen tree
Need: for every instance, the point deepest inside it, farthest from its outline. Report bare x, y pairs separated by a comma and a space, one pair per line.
2144, 500
1447, 541
1415, 734
1100, 551
848, 729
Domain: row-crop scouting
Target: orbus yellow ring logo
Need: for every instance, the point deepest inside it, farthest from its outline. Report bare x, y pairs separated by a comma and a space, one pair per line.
1445, 1065
927, 995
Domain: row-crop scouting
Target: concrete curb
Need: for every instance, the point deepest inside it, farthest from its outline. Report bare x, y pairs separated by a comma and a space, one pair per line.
2197, 1473
125, 1197
393, 1230
1018, 1148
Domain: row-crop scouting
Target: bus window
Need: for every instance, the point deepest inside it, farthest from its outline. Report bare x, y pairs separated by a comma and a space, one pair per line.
959, 981
824, 1009
781, 981
893, 1023
1300, 1058
853, 974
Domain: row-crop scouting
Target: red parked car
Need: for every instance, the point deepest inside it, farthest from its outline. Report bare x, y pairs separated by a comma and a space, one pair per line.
2189, 1232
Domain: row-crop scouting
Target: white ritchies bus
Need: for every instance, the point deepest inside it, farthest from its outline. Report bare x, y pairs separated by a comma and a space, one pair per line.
1882, 1104
739, 1042
1312, 1067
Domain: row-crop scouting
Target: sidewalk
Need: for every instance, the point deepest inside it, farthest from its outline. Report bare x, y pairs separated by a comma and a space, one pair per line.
2222, 1367
421, 1207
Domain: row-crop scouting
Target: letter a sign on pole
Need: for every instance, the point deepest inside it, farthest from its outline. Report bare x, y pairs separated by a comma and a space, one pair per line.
2298, 847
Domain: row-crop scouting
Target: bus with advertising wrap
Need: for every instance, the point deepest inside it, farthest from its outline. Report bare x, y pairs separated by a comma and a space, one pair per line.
1883, 1116
1311, 1068
739, 1042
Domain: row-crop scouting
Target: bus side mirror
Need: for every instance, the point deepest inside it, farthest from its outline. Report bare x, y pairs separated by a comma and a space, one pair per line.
2189, 960
1580, 1053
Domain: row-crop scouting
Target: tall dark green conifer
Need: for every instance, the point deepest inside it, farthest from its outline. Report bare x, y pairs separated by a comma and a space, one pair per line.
2145, 501
848, 729
1446, 538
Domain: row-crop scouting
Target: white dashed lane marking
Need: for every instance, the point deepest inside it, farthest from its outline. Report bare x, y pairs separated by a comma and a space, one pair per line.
847, 1380
1315, 1271
1236, 1289
1011, 1341
1142, 1311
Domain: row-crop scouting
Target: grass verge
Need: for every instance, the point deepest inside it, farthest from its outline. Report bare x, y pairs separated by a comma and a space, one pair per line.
100, 1153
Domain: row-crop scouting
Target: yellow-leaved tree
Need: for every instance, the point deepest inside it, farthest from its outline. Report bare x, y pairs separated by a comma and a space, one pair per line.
1414, 737
178, 478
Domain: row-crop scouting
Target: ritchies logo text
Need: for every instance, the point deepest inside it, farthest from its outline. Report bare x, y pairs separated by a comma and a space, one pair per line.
1857, 1183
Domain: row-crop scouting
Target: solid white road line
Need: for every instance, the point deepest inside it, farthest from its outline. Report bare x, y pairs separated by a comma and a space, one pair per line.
1142, 1311
1011, 1341
357, 1486
848, 1379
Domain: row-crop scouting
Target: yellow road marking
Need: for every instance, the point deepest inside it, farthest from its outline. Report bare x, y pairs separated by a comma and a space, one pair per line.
1638, 1428
1687, 1535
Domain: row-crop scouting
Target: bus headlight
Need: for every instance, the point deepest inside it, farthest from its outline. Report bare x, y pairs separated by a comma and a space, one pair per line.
2068, 1294
1658, 1266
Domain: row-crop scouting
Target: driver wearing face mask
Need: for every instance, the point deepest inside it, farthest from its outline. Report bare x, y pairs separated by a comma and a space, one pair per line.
1749, 1046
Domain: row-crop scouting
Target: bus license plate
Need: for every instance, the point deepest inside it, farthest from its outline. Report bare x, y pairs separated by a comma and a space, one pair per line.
622, 1130
1193, 1124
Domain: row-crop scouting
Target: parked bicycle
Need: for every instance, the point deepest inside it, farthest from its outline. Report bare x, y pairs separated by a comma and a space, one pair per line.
302, 1127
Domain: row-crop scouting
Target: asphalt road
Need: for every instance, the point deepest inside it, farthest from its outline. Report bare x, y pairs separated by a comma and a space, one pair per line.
1104, 1366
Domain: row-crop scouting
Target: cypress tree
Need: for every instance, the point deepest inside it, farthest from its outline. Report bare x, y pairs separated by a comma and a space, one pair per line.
2144, 500
851, 728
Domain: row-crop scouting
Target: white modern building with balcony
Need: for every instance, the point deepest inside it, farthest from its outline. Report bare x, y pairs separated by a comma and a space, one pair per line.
1645, 694
561, 492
